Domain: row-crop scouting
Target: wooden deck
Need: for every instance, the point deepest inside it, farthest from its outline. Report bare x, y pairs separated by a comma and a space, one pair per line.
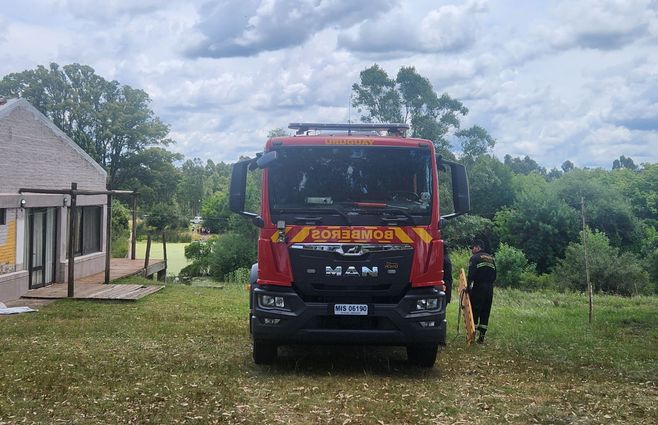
93, 287
94, 291
122, 267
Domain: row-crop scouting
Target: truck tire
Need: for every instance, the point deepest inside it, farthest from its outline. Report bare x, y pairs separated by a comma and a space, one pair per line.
423, 355
264, 352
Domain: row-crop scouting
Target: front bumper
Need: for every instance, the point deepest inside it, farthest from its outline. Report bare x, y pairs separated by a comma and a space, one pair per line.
315, 322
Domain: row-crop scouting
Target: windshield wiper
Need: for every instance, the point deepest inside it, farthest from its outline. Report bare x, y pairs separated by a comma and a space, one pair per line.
315, 211
406, 215
382, 209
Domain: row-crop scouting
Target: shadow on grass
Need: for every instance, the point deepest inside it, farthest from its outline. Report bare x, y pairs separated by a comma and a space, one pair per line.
347, 360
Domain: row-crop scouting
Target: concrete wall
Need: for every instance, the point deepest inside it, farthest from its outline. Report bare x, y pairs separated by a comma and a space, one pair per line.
35, 154
13, 285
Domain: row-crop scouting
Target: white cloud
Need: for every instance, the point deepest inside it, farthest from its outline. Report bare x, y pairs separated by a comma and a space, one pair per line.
448, 28
247, 28
574, 81
605, 25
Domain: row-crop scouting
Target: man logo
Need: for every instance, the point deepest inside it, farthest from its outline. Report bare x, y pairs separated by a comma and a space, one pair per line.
352, 271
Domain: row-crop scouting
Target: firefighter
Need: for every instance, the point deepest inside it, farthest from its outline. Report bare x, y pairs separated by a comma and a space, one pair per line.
481, 278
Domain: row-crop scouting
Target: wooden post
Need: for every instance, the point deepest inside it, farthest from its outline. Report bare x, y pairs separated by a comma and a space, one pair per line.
164, 248
148, 254
133, 234
108, 238
589, 283
73, 215
162, 274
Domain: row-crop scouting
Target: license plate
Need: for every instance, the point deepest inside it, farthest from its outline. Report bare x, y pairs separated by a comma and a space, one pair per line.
351, 309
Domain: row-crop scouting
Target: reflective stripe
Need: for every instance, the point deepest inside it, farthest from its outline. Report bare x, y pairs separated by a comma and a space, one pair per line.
426, 237
486, 265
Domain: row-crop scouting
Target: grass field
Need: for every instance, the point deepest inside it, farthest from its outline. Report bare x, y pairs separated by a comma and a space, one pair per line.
175, 255
182, 355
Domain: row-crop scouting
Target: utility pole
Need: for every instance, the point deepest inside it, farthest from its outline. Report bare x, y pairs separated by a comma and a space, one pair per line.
589, 283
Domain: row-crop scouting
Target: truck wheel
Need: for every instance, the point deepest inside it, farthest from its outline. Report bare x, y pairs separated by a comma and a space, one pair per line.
423, 355
265, 352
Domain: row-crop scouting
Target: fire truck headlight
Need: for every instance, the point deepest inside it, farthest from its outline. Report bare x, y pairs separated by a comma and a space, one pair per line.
270, 301
421, 304
266, 300
427, 304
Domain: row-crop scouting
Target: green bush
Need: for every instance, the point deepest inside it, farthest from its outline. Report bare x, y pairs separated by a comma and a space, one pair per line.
199, 252
611, 270
529, 280
230, 252
177, 236
460, 232
511, 264
652, 268
459, 259
240, 276
120, 229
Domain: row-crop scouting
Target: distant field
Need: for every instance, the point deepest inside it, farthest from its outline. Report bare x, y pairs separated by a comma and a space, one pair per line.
183, 355
175, 255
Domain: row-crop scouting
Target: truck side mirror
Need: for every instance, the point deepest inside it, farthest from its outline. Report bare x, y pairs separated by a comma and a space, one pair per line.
460, 191
461, 197
238, 189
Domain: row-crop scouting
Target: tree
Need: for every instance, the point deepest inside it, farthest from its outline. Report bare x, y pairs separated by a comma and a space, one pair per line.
410, 98
491, 185
567, 166
152, 173
216, 213
524, 166
277, 132
192, 186
538, 222
377, 97
554, 174
110, 121
164, 216
624, 162
608, 209
639, 187
611, 270
475, 141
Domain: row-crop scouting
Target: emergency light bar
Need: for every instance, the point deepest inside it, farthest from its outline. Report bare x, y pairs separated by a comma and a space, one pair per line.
397, 129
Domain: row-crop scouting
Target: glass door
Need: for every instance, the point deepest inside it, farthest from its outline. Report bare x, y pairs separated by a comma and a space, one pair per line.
42, 236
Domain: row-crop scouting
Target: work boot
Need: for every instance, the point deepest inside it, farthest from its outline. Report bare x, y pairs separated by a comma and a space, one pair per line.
480, 339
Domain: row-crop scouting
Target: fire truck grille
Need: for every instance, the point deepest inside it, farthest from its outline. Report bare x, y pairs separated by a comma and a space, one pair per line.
351, 273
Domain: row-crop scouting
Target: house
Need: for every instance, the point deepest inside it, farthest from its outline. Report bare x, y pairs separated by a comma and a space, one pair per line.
35, 154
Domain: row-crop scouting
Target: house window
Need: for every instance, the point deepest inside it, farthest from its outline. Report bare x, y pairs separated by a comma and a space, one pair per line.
88, 228
3, 216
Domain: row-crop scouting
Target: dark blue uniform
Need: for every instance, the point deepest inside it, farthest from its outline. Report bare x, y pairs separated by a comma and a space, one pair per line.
482, 275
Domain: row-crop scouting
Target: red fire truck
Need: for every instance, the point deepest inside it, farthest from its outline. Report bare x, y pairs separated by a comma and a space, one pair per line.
350, 248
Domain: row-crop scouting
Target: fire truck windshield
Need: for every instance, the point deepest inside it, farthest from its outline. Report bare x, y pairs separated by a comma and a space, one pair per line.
351, 181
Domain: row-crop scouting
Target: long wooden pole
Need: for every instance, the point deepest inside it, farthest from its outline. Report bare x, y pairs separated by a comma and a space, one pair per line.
148, 254
164, 248
133, 235
589, 283
108, 239
73, 216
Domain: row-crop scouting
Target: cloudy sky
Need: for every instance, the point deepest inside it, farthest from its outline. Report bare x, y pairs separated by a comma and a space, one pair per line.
554, 80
